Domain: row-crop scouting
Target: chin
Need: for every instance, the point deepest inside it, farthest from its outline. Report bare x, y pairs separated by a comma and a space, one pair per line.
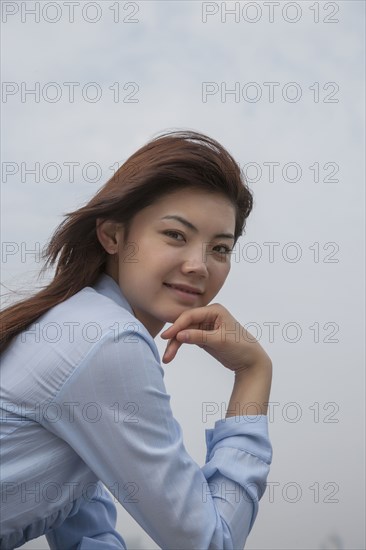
170, 318
172, 314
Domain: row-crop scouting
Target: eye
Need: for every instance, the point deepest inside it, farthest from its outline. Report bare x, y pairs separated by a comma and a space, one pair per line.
226, 249
170, 233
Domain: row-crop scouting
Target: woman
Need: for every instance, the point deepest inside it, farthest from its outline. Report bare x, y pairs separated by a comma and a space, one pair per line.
83, 400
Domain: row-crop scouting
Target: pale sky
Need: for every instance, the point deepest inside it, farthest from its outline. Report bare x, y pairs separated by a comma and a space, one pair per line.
281, 85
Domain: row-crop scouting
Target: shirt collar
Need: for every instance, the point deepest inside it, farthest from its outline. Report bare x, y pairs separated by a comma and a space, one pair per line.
107, 286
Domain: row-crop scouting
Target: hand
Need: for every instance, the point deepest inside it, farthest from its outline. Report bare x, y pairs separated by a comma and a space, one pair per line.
215, 330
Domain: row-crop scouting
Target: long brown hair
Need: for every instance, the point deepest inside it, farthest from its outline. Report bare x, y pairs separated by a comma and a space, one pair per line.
172, 160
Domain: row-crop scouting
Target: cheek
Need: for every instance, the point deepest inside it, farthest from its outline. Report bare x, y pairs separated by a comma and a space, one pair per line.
164, 256
154, 260
219, 269
218, 274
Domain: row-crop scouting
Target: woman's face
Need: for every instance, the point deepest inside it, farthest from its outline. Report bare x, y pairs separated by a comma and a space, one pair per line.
162, 251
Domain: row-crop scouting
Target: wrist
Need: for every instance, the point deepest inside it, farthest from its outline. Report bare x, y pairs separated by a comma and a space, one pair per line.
260, 365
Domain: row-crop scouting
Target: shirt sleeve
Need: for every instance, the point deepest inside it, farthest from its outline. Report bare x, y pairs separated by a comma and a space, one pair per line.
90, 527
116, 415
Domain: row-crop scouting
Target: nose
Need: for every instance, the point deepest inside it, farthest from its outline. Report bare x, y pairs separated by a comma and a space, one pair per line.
196, 263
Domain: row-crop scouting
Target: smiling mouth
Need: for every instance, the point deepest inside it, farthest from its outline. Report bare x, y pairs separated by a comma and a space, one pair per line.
183, 289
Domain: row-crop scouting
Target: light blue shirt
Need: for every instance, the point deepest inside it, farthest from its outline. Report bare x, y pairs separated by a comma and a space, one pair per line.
84, 407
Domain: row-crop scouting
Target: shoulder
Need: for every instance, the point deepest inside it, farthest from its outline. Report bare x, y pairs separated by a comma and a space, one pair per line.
90, 317
66, 338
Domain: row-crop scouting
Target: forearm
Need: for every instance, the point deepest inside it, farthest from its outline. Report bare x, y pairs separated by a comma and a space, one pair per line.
250, 394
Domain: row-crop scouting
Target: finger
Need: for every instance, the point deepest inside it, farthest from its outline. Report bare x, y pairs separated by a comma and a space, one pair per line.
172, 331
196, 336
193, 316
171, 347
171, 350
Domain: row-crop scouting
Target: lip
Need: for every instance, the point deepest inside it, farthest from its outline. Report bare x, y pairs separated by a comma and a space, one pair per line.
184, 288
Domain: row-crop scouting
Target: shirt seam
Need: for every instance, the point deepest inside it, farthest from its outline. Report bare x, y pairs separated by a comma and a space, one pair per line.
79, 364
243, 450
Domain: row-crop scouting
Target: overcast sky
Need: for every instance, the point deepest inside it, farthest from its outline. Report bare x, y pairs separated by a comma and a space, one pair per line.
282, 86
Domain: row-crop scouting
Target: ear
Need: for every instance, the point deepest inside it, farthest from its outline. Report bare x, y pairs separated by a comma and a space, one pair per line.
109, 234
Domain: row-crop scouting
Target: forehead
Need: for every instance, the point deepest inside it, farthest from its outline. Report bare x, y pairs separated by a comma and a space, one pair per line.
195, 203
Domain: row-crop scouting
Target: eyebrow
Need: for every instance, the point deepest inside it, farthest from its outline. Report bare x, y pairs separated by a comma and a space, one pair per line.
194, 228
